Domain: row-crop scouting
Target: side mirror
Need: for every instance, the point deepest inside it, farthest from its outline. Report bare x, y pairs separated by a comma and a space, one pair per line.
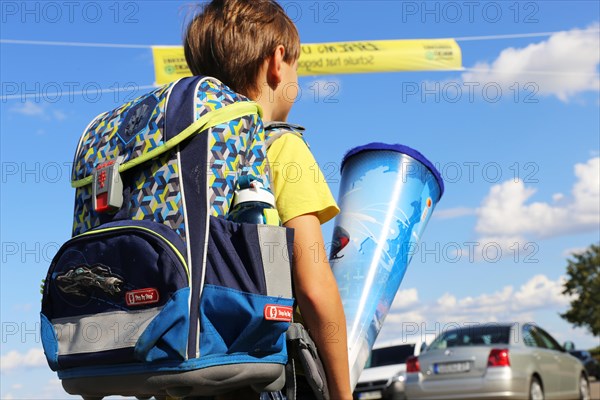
569, 346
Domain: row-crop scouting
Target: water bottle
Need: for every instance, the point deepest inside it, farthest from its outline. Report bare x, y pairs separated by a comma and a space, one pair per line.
253, 203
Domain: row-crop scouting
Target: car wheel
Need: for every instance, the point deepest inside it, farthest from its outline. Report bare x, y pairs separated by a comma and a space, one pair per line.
584, 388
535, 390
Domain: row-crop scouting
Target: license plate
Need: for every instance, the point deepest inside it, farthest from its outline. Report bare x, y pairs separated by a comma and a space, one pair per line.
376, 394
452, 368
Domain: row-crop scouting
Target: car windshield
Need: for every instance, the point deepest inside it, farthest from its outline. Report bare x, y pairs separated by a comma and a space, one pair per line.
472, 336
390, 355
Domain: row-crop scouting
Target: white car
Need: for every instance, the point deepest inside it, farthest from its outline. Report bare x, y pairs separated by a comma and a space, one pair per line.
385, 372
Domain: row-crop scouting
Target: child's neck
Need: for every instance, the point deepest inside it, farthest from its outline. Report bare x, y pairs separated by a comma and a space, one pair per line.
266, 99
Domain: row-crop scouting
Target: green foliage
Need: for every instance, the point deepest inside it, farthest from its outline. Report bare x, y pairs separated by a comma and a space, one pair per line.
583, 282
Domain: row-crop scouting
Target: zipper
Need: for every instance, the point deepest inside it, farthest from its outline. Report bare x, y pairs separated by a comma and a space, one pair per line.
134, 228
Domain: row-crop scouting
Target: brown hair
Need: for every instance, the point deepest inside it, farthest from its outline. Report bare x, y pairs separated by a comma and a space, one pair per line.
230, 39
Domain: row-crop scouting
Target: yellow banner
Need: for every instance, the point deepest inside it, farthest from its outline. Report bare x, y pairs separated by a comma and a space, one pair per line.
169, 64
341, 58
379, 56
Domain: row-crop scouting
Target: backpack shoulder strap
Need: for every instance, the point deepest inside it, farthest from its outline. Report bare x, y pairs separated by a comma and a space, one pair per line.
276, 129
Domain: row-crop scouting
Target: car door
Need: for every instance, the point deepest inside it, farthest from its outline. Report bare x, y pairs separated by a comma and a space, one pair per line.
544, 359
568, 366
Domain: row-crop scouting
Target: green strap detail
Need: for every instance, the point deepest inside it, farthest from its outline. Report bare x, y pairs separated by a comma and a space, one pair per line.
210, 120
141, 228
271, 217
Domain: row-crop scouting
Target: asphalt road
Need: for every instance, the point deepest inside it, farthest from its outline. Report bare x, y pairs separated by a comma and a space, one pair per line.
595, 389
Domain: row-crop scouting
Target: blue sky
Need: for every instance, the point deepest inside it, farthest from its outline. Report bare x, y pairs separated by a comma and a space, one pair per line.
521, 165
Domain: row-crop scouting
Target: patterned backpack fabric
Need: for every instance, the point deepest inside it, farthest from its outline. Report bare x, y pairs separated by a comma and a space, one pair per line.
157, 293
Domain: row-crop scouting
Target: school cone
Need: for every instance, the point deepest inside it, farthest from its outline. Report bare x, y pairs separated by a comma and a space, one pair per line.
387, 195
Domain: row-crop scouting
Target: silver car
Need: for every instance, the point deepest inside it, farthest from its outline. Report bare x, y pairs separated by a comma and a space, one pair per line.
499, 361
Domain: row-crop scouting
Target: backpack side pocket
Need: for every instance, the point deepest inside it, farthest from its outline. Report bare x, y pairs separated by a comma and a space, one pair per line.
247, 303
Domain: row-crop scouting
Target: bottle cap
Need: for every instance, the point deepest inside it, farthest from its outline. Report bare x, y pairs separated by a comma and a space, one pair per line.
255, 192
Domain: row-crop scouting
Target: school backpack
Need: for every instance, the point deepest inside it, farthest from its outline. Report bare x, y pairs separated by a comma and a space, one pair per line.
156, 293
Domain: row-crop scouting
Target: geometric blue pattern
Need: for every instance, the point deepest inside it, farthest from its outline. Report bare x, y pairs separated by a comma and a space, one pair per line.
236, 148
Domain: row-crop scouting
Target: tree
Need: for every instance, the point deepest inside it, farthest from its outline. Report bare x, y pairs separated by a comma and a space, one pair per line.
583, 282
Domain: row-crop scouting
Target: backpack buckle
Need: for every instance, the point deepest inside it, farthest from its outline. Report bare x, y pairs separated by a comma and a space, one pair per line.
107, 187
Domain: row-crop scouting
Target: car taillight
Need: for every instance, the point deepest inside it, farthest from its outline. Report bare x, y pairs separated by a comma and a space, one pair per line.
412, 364
498, 358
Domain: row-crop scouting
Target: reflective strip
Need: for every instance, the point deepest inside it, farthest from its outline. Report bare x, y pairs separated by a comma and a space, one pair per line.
275, 258
101, 332
188, 248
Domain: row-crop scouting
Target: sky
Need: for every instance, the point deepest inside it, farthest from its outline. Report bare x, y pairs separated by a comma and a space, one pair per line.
515, 135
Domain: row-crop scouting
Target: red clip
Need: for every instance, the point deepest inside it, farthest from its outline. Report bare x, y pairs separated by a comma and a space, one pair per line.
107, 187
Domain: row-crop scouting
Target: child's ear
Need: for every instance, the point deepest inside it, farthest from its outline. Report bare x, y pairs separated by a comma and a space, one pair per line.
274, 71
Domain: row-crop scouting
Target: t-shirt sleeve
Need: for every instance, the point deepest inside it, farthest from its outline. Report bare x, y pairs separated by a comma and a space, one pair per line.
298, 182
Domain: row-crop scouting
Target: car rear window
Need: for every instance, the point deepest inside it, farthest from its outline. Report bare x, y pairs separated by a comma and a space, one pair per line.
472, 336
390, 355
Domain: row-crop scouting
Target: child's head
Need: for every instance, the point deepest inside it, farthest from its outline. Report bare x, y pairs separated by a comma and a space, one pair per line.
231, 39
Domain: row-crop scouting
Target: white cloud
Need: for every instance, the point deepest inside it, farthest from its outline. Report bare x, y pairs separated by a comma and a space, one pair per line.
59, 115
506, 215
456, 212
587, 191
405, 299
28, 108
573, 250
540, 292
564, 65
39, 110
424, 320
53, 390
558, 197
15, 360
39, 386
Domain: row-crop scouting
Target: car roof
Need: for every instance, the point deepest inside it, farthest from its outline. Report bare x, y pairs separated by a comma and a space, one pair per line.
417, 342
483, 325
515, 327
396, 342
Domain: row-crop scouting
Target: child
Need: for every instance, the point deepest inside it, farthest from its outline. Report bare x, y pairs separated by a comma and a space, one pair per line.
253, 47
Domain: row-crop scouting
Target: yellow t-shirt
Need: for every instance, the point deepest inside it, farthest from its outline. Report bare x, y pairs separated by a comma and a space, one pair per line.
298, 183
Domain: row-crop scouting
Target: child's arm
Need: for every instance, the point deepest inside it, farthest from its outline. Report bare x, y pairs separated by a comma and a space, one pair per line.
320, 303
